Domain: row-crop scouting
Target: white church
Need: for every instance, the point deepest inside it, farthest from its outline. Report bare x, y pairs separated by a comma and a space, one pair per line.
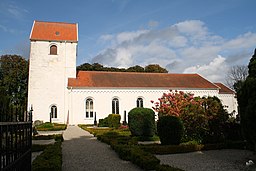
59, 94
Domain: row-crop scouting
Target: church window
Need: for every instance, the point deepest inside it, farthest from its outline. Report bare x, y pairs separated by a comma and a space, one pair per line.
89, 108
53, 50
54, 111
139, 102
115, 106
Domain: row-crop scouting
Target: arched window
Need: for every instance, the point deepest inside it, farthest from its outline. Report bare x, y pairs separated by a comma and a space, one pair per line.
89, 108
53, 50
115, 106
54, 111
139, 102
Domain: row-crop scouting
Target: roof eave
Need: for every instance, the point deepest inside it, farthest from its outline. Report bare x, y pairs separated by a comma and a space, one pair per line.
69, 41
169, 88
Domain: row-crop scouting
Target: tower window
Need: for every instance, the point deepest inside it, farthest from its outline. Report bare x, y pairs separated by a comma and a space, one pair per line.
53, 50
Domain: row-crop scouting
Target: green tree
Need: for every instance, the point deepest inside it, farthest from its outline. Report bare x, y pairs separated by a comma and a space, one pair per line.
202, 117
217, 119
155, 68
99, 67
135, 68
84, 67
14, 78
247, 103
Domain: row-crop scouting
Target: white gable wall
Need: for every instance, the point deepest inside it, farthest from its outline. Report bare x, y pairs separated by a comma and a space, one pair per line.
230, 102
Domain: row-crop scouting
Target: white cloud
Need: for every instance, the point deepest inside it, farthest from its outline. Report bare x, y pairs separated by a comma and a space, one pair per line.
242, 41
213, 71
180, 48
192, 27
129, 36
106, 37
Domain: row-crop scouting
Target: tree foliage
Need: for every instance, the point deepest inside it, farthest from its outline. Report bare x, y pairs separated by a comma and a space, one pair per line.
155, 68
141, 122
247, 103
14, 78
175, 103
135, 68
202, 117
170, 130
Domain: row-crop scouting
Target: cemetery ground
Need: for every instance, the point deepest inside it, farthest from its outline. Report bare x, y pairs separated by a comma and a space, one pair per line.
146, 156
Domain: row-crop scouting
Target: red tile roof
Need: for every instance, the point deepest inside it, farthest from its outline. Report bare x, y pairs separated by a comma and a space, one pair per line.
100, 79
54, 31
224, 89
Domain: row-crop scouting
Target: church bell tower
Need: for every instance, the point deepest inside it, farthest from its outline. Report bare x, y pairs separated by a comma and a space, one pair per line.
53, 50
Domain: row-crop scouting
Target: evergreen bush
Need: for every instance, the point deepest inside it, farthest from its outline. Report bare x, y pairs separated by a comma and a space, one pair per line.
50, 159
170, 130
114, 120
247, 103
141, 122
103, 122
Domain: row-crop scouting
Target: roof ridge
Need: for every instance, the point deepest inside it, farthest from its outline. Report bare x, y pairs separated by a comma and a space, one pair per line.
116, 72
56, 22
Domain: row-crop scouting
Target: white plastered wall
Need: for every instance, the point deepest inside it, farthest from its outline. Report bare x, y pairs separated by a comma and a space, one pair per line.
48, 76
230, 102
102, 99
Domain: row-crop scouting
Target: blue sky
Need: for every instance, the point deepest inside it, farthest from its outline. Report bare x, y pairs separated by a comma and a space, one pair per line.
202, 36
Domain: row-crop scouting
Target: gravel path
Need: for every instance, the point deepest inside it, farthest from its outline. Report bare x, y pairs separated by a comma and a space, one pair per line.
214, 160
82, 151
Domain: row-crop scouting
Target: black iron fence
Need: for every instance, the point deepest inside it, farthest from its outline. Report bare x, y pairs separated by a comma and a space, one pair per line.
15, 138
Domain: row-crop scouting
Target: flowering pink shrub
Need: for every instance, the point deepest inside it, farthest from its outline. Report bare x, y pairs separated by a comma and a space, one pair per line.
201, 116
188, 108
175, 103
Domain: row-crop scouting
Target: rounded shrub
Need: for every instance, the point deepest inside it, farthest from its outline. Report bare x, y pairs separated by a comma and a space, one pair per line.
141, 122
170, 130
103, 122
114, 120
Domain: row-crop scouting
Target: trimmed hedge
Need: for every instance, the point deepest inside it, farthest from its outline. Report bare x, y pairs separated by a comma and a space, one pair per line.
57, 137
50, 159
114, 120
164, 167
38, 147
141, 122
131, 153
103, 122
127, 150
170, 130
47, 126
186, 148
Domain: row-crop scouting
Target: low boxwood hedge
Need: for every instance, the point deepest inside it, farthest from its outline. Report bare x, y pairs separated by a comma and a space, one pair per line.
47, 126
127, 149
185, 148
143, 155
50, 159
57, 137
164, 167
